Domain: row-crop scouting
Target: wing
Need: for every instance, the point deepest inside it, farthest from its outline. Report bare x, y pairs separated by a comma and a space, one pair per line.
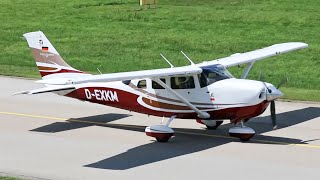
252, 56
185, 70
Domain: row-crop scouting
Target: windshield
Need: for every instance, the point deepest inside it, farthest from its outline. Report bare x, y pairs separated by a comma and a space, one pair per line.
213, 73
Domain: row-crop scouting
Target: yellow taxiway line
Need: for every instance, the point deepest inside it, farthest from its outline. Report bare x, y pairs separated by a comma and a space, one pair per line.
133, 126
35, 116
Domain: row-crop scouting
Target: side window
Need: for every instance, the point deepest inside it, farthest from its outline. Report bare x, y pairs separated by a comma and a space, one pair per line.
142, 84
155, 85
126, 82
182, 82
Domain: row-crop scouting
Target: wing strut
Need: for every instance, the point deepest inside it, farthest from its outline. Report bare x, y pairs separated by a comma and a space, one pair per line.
246, 72
201, 114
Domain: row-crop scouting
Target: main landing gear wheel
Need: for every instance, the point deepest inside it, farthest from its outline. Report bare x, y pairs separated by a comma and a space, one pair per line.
162, 133
163, 139
242, 132
211, 124
218, 123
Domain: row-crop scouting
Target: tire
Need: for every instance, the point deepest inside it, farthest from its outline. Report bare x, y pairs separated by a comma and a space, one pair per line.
218, 123
244, 139
162, 139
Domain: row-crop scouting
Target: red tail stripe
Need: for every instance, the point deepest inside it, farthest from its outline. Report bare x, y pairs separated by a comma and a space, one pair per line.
61, 71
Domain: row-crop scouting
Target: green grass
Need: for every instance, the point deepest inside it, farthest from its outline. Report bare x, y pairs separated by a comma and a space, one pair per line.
119, 35
8, 178
301, 94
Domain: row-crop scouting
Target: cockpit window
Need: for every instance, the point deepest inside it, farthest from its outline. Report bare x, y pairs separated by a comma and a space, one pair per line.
212, 74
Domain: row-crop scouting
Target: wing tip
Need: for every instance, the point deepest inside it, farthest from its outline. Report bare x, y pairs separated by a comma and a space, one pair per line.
22, 92
297, 44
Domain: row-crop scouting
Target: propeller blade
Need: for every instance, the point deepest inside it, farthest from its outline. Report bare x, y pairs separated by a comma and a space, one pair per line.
283, 81
273, 114
261, 77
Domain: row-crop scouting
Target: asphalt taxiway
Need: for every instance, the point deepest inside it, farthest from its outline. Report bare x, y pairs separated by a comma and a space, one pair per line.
46, 136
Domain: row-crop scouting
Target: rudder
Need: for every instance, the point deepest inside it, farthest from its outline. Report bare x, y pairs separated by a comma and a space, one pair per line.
48, 60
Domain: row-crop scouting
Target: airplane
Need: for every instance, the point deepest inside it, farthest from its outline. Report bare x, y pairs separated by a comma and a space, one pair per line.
206, 92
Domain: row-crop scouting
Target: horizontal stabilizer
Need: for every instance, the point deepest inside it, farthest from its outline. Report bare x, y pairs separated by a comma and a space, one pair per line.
47, 89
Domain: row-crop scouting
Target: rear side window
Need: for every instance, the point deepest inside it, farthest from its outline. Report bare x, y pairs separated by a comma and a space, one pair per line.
126, 82
185, 82
142, 84
155, 85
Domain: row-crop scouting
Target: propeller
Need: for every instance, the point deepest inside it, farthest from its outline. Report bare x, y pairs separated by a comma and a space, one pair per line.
261, 77
282, 82
273, 104
273, 114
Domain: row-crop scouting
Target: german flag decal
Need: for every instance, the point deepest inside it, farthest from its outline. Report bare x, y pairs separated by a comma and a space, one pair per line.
45, 48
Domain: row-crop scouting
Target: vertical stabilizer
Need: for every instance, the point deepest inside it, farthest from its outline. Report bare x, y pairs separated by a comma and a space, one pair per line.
48, 60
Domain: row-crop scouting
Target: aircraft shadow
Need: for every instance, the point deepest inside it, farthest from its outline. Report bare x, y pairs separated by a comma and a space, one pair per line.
179, 145
185, 141
188, 141
77, 123
287, 119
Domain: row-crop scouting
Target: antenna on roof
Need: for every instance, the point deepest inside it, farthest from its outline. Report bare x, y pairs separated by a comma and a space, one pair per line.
166, 60
187, 58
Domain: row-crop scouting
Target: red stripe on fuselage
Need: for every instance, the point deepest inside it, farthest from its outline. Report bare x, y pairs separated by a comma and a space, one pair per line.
128, 101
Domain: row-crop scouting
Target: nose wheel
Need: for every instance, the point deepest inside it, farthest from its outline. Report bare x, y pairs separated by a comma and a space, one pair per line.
162, 133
